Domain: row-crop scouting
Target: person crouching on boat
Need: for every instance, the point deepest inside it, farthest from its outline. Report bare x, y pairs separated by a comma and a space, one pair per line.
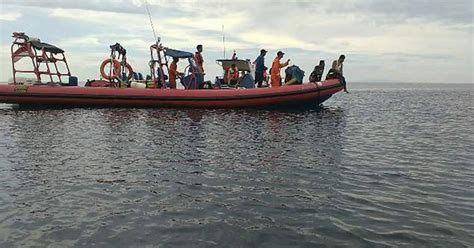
260, 68
233, 75
173, 73
317, 73
275, 71
337, 70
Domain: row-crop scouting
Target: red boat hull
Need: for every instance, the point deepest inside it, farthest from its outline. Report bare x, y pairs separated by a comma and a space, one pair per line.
66, 96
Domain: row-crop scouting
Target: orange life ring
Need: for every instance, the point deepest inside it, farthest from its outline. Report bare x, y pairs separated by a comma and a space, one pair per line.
130, 71
115, 71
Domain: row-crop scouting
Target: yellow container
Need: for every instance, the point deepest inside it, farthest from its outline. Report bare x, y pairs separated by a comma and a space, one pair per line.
150, 84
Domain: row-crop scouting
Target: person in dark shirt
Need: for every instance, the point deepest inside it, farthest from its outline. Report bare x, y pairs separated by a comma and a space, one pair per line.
317, 73
260, 68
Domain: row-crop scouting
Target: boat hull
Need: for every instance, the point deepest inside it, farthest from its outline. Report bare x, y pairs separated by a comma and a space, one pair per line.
310, 94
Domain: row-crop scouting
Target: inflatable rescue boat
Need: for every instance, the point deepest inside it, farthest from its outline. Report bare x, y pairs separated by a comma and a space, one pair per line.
303, 95
121, 87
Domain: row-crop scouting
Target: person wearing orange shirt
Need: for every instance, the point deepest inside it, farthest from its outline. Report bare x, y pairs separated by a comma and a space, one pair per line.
173, 73
199, 59
200, 65
233, 75
275, 71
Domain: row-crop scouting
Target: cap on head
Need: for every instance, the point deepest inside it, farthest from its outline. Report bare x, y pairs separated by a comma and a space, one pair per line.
280, 53
263, 51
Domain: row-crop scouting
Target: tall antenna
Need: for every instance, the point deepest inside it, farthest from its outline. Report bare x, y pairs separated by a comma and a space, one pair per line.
157, 39
223, 39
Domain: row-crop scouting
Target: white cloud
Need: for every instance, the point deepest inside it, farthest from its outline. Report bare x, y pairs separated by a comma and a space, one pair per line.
10, 16
80, 41
265, 39
105, 18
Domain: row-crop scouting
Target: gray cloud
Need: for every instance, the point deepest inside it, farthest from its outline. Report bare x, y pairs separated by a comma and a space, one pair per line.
377, 35
113, 6
381, 11
454, 11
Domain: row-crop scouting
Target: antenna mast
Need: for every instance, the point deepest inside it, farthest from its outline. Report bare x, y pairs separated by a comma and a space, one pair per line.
223, 39
157, 39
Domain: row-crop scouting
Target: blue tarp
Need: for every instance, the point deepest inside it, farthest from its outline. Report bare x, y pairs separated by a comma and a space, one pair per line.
247, 81
178, 54
295, 72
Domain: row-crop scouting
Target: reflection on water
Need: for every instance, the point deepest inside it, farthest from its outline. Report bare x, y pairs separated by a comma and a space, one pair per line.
382, 166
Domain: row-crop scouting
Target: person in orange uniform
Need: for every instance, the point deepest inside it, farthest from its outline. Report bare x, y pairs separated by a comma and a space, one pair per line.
275, 71
233, 75
173, 73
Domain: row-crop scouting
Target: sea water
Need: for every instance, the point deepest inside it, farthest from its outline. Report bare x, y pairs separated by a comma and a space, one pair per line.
386, 165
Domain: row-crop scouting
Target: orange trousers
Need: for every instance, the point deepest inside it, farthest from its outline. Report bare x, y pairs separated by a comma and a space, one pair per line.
275, 80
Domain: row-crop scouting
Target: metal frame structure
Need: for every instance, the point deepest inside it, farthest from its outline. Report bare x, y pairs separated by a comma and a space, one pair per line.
157, 62
23, 47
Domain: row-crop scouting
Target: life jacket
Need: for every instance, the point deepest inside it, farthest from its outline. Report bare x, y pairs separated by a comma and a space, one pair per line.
233, 73
172, 72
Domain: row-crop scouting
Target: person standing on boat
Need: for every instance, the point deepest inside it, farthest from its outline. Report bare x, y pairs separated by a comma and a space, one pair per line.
199, 59
173, 73
200, 64
337, 66
260, 68
275, 71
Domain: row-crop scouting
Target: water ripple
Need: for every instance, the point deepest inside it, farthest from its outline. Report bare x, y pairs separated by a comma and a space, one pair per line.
385, 166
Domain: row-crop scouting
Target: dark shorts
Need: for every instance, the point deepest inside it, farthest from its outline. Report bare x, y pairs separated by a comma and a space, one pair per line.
259, 77
334, 74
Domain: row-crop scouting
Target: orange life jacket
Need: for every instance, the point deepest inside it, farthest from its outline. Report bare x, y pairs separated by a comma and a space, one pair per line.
233, 73
172, 72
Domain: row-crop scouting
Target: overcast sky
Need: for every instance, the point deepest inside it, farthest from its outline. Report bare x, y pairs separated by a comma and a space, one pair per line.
383, 40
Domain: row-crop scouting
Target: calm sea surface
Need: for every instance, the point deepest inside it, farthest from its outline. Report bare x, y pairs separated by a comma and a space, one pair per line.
389, 165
